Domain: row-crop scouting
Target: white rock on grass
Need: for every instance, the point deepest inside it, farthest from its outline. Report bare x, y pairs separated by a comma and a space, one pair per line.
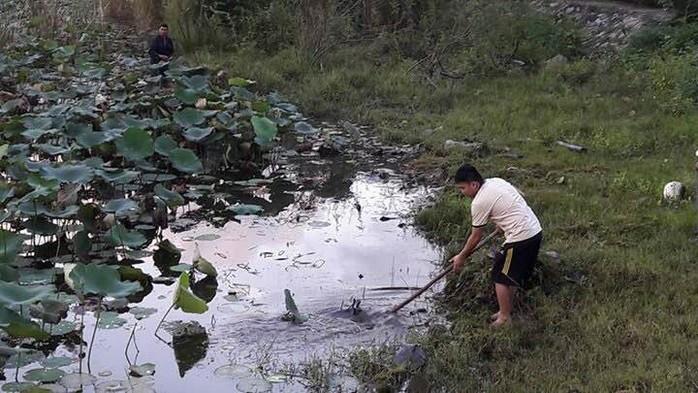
674, 191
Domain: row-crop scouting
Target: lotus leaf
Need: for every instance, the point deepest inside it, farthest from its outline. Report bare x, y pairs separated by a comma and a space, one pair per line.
189, 117
121, 207
185, 160
186, 300
68, 173
264, 128
187, 96
135, 144
196, 134
171, 198
110, 320
101, 280
196, 83
120, 236
12, 294
10, 245
89, 139
245, 209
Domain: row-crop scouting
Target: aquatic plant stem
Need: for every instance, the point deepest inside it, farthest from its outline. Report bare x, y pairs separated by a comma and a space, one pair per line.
94, 333
161, 321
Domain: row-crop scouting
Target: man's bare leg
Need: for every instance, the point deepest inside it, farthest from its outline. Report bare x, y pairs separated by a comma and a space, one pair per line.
505, 298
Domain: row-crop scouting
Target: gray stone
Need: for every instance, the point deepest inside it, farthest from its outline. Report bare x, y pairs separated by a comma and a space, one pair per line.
467, 147
556, 62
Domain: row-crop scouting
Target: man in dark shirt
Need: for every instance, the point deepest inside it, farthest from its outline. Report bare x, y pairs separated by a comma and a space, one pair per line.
162, 48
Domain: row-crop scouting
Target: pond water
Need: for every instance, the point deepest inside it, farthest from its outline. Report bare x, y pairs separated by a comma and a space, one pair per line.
335, 233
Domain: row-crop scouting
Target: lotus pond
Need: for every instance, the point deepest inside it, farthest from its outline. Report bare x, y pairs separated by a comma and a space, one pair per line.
167, 230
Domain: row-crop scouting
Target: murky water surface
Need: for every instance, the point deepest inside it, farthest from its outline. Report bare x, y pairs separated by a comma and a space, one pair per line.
334, 236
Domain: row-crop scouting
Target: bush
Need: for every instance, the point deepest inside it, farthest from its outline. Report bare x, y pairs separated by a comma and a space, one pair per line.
500, 33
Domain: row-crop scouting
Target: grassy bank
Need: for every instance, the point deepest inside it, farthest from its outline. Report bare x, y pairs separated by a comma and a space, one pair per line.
617, 310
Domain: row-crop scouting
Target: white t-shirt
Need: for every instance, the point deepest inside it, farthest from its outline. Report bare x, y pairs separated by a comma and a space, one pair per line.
499, 201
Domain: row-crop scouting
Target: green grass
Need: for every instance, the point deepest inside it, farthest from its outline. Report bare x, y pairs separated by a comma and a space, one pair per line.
631, 324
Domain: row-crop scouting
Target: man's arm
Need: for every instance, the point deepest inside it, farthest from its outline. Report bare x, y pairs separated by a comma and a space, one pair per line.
153, 50
474, 238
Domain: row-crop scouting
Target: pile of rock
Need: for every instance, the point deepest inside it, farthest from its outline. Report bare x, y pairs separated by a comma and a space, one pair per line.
609, 25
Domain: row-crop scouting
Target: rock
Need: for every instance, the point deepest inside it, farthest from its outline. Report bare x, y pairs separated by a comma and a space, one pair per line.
411, 357
6, 96
222, 79
351, 129
674, 191
553, 254
467, 147
556, 62
100, 100
163, 280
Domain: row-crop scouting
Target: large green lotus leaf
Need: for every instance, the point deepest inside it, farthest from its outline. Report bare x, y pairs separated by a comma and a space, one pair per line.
69, 173
110, 320
237, 81
52, 150
33, 276
136, 122
265, 129
82, 245
189, 117
49, 310
186, 300
45, 375
10, 244
135, 144
164, 144
89, 139
304, 128
171, 198
243, 94
119, 176
120, 236
35, 133
75, 129
185, 160
25, 329
39, 123
196, 134
31, 208
39, 182
11, 293
121, 207
245, 210
87, 214
187, 96
167, 254
6, 192
196, 83
8, 273
101, 280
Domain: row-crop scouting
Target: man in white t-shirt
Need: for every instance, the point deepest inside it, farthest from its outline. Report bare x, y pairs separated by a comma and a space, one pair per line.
498, 201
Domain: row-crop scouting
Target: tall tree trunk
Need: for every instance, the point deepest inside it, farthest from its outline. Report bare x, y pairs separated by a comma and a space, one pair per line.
313, 24
367, 14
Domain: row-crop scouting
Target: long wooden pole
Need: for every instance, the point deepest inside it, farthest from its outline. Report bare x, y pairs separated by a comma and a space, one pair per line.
442, 274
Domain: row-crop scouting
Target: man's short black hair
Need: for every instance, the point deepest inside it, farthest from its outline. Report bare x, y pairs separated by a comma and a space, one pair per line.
468, 173
164, 25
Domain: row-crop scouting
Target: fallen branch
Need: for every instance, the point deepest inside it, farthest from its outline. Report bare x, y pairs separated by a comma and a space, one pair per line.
575, 148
